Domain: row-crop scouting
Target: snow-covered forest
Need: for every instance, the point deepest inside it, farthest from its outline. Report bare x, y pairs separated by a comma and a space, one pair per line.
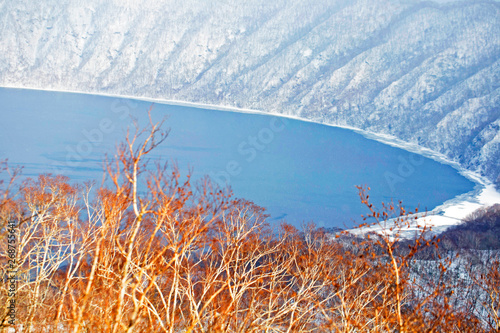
426, 72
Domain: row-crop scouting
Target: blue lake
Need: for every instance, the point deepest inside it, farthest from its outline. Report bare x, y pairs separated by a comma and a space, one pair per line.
299, 171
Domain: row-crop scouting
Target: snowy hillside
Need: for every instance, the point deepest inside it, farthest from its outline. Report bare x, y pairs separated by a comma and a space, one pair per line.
426, 72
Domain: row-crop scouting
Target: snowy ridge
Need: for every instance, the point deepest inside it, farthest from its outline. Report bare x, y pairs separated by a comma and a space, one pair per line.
425, 72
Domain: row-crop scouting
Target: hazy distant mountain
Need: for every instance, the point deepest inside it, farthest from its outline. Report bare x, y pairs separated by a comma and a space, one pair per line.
426, 72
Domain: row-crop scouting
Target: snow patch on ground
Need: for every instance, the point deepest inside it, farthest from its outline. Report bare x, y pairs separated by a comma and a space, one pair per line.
450, 213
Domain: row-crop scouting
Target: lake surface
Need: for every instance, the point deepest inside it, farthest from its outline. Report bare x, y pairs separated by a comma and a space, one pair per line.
299, 171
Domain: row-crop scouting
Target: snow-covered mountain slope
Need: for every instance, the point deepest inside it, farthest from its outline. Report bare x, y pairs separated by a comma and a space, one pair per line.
427, 72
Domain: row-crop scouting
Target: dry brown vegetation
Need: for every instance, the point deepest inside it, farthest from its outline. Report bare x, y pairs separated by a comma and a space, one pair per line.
155, 252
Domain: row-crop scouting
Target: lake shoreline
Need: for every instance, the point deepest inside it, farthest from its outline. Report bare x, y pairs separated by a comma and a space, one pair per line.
448, 213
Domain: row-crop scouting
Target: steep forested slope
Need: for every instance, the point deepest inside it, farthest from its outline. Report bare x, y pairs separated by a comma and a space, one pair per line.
426, 72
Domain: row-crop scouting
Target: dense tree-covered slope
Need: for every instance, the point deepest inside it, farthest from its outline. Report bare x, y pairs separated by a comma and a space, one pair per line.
427, 72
